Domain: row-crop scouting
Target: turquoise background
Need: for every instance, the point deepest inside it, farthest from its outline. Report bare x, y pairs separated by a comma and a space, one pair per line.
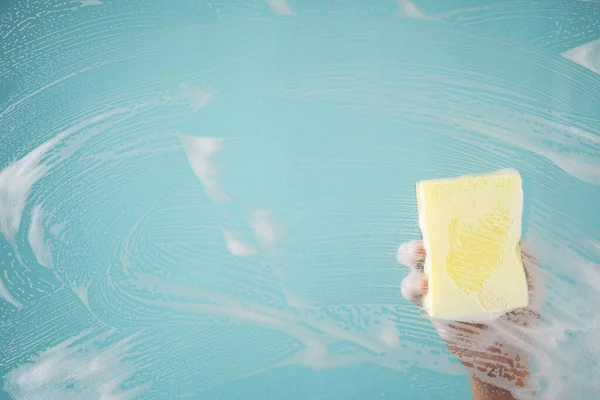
121, 264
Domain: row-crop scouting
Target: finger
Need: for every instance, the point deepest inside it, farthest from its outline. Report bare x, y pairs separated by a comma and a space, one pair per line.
529, 263
526, 252
411, 254
414, 287
535, 277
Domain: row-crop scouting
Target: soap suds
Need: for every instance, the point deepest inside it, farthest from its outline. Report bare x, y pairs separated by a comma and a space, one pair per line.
16, 182
18, 178
82, 293
201, 152
408, 9
264, 227
389, 335
37, 240
280, 7
85, 3
587, 55
236, 244
6, 295
23, 100
77, 368
197, 97
145, 216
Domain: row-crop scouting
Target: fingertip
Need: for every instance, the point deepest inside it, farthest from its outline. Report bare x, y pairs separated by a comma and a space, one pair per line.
410, 253
414, 287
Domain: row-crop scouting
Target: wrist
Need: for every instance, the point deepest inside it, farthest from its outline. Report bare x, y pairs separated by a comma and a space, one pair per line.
487, 391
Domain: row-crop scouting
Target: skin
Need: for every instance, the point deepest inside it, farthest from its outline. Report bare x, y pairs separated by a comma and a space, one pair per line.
492, 353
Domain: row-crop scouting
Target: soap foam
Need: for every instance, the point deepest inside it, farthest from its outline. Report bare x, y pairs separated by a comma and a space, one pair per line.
280, 7
39, 244
135, 257
74, 369
201, 152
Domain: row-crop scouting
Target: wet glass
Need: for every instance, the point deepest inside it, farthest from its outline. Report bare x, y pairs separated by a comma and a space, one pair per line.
205, 199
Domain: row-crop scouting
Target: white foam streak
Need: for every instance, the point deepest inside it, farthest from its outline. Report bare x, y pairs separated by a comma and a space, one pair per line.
25, 98
74, 369
577, 165
409, 10
201, 152
264, 227
389, 335
82, 293
85, 3
5, 294
16, 182
567, 336
580, 161
40, 247
198, 98
587, 55
280, 7
317, 332
18, 178
236, 245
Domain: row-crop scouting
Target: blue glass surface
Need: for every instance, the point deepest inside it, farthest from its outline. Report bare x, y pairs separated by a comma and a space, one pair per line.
204, 199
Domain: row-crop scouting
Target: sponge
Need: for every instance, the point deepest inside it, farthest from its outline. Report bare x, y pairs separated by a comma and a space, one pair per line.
471, 227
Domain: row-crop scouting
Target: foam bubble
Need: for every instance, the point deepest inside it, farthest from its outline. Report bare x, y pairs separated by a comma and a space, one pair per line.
79, 367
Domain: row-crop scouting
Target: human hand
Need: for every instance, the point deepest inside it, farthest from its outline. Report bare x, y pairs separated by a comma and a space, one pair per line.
495, 353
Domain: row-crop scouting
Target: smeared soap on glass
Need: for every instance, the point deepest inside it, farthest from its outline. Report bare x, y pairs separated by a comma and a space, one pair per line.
471, 227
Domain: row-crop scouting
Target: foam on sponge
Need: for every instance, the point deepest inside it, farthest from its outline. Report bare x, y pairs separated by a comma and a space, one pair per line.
471, 229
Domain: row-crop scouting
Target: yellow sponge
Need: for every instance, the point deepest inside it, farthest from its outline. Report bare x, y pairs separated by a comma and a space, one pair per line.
471, 229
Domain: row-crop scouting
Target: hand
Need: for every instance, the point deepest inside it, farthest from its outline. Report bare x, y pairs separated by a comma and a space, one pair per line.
495, 353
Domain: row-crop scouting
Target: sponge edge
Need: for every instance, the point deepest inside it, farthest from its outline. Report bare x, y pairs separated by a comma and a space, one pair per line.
471, 227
